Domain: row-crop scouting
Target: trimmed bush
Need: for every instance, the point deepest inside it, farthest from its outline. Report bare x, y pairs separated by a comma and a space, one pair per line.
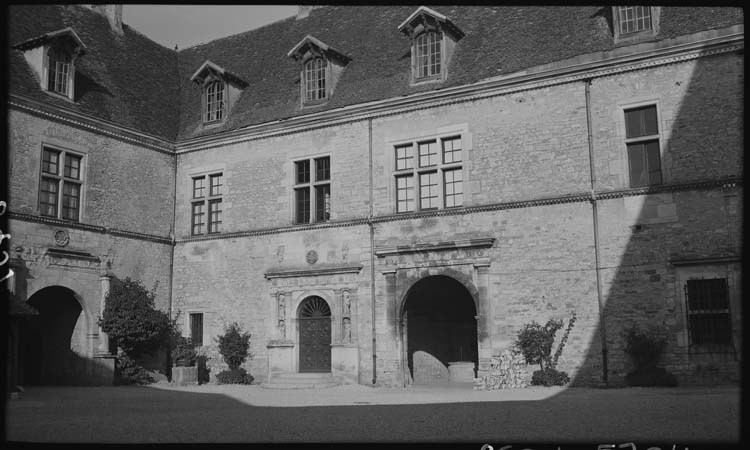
234, 376
203, 369
645, 348
131, 372
234, 345
549, 377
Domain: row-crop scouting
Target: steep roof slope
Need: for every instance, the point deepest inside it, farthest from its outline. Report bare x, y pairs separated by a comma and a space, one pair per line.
126, 79
499, 40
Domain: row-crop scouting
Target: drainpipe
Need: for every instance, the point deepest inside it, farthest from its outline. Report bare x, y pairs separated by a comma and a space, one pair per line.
602, 324
171, 257
372, 256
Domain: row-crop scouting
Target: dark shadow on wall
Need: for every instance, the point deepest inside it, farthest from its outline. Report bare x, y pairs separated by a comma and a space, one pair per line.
671, 234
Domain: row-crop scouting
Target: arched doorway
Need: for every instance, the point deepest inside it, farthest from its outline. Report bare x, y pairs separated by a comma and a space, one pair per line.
440, 327
52, 340
314, 335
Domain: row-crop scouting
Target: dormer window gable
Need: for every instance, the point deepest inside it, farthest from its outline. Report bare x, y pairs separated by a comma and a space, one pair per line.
220, 89
52, 56
433, 38
320, 69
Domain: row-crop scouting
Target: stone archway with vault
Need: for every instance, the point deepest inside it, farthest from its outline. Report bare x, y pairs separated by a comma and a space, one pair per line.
467, 264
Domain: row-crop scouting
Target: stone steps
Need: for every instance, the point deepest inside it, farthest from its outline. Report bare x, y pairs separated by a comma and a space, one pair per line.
301, 381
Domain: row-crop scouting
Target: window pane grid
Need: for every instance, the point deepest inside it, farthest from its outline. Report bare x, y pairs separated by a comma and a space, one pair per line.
322, 169
199, 218
214, 216
322, 202
71, 195
215, 185
199, 187
644, 155
302, 197
709, 318
428, 154
48, 197
196, 329
634, 18
214, 101
405, 157
451, 150
405, 193
57, 71
303, 171
453, 188
72, 167
315, 80
428, 190
50, 160
428, 54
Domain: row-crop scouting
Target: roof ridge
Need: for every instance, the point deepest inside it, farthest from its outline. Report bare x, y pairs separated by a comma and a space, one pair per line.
237, 34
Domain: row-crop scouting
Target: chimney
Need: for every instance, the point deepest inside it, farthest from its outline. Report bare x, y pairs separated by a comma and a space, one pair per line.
113, 13
304, 10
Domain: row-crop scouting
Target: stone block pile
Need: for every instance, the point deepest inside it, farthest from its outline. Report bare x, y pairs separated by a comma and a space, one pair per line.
507, 371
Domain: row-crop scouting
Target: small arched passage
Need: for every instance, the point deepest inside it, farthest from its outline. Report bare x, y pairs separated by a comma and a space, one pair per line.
439, 327
314, 316
52, 341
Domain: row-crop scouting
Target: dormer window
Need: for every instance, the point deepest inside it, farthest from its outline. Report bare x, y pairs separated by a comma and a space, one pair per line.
215, 101
434, 38
220, 88
52, 56
429, 54
321, 68
59, 75
634, 22
315, 80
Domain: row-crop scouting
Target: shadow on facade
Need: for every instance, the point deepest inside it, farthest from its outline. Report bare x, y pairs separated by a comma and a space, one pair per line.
693, 233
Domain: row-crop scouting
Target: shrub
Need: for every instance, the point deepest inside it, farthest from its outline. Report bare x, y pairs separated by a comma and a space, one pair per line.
234, 376
234, 345
535, 342
549, 377
131, 372
645, 348
184, 354
131, 320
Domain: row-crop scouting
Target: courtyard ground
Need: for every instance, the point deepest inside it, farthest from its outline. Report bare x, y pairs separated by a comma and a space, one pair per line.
226, 413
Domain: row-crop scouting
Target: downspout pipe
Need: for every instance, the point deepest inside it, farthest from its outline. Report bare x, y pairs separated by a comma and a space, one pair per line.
372, 256
595, 213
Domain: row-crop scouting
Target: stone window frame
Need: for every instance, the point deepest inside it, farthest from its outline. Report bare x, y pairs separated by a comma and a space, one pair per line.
62, 180
206, 201
638, 35
707, 270
416, 171
312, 185
660, 137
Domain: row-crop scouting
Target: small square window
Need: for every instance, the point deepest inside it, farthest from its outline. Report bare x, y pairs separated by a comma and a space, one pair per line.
215, 185
404, 157
428, 154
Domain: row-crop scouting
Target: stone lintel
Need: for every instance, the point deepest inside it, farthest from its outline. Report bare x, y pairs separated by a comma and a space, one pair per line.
421, 248
71, 254
308, 272
691, 261
276, 343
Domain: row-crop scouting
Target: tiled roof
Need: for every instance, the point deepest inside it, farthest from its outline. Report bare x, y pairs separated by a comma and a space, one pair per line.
498, 40
129, 79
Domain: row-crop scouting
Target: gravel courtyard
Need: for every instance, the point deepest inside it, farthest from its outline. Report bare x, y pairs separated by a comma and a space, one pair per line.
222, 413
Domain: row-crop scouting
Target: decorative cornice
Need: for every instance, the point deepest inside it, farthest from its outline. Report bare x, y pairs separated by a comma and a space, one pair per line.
308, 272
569, 71
87, 227
723, 183
89, 123
381, 252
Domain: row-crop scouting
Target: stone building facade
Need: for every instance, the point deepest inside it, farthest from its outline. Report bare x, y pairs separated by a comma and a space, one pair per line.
386, 217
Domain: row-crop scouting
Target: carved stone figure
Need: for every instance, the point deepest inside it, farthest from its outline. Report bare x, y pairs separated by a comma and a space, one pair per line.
347, 304
347, 329
282, 307
282, 329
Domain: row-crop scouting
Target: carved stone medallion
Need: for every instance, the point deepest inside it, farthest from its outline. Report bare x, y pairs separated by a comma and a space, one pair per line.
312, 257
62, 238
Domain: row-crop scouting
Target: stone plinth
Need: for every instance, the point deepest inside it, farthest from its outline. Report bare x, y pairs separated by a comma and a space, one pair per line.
345, 362
280, 357
461, 371
185, 375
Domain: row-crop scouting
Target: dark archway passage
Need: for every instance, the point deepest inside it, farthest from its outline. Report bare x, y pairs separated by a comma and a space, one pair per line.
440, 328
46, 351
314, 336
